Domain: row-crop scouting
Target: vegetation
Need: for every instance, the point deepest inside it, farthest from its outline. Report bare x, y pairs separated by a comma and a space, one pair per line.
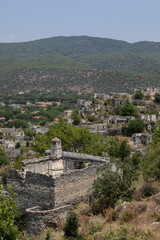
8, 215
73, 139
129, 109
77, 61
71, 225
138, 95
3, 159
157, 97
76, 117
111, 186
135, 126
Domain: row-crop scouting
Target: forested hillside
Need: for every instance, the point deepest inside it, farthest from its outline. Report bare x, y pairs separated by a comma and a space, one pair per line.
78, 63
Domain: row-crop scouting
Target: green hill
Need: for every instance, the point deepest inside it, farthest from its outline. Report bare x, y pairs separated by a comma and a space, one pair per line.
78, 63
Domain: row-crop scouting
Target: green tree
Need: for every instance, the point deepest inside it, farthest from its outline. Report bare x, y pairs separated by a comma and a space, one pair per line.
8, 215
106, 191
76, 117
119, 149
157, 97
29, 132
73, 139
135, 126
129, 109
18, 144
151, 163
138, 95
111, 186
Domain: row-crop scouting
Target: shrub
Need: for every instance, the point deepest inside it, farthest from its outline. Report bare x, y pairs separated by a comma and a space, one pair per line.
8, 215
71, 225
126, 215
147, 189
96, 224
158, 217
4, 175
125, 233
18, 162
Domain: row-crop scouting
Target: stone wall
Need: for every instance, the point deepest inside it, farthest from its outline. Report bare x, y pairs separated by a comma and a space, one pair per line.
38, 220
34, 189
73, 187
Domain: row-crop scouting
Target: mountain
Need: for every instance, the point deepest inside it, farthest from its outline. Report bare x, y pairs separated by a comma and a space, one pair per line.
78, 63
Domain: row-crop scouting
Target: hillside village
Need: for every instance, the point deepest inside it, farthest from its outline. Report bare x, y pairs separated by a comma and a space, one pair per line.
44, 179
101, 113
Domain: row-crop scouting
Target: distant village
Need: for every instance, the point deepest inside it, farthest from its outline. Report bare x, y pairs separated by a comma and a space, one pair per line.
101, 113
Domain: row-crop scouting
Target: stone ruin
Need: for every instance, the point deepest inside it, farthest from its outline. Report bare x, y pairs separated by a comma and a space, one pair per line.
49, 186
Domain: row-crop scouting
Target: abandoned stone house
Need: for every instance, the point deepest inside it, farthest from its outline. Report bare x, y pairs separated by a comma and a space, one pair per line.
141, 138
47, 187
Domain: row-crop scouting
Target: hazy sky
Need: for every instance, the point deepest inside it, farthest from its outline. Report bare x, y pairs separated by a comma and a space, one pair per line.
129, 20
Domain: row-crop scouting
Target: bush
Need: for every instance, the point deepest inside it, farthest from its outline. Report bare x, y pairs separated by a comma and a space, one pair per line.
147, 189
125, 233
18, 162
126, 215
71, 225
4, 175
3, 159
96, 224
8, 214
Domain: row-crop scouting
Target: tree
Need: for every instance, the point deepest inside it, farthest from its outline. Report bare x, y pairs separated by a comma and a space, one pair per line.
129, 109
73, 139
8, 215
135, 126
106, 191
76, 117
151, 163
112, 186
71, 225
119, 149
18, 144
138, 95
157, 97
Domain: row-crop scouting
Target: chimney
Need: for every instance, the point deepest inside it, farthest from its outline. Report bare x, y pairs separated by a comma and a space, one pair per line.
56, 148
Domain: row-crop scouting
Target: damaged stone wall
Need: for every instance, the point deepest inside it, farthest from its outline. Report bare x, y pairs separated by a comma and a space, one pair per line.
35, 189
73, 187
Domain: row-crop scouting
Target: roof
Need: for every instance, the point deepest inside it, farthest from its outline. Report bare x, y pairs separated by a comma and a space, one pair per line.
55, 140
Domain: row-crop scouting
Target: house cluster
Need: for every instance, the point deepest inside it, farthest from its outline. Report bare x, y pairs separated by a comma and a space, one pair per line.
11, 139
101, 115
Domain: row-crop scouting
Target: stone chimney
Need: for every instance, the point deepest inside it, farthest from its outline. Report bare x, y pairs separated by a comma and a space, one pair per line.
56, 148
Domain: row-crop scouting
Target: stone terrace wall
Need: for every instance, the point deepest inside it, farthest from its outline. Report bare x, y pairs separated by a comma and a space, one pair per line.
38, 220
73, 187
35, 189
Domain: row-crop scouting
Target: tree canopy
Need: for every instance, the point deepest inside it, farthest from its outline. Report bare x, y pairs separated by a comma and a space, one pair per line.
73, 139
129, 109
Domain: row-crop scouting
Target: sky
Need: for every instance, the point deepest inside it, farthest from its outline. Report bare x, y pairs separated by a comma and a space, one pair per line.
128, 20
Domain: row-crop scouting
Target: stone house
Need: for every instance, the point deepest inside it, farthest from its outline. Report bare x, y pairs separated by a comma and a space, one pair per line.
84, 106
68, 113
41, 130
119, 102
141, 138
149, 118
12, 153
47, 187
